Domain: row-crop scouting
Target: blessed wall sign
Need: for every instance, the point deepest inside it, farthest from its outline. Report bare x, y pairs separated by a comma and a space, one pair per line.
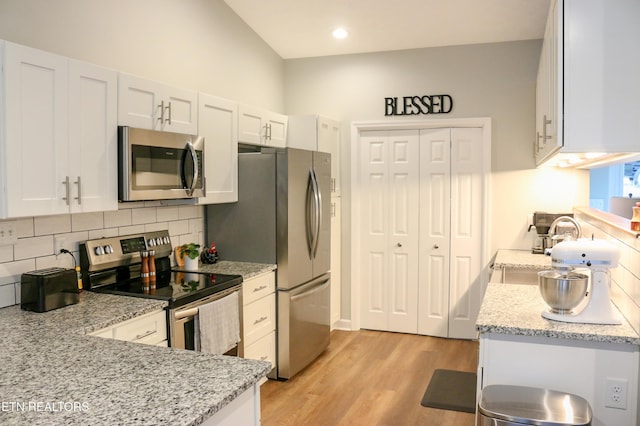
415, 105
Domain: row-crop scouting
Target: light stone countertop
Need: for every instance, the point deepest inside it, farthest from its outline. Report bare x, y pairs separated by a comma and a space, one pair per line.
515, 309
246, 269
64, 377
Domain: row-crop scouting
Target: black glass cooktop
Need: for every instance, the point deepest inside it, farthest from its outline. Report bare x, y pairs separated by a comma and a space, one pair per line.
176, 287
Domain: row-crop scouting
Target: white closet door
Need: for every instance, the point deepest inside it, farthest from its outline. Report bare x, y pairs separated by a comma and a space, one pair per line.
435, 222
390, 178
466, 232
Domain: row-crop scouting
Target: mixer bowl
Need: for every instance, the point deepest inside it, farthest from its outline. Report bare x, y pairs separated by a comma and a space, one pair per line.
562, 291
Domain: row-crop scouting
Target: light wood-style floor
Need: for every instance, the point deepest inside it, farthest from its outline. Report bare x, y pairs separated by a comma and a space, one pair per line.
369, 378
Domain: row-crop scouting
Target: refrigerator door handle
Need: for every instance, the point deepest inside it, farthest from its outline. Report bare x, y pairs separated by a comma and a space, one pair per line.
318, 212
309, 225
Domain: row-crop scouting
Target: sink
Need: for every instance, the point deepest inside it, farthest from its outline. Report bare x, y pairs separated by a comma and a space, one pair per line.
515, 275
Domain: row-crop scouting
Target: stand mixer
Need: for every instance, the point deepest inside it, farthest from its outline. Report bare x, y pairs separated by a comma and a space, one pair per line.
593, 306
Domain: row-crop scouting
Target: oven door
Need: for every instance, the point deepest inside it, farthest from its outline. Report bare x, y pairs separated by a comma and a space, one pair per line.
157, 165
183, 328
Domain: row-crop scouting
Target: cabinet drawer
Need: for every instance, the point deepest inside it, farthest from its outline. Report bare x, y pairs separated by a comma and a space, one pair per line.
259, 318
257, 287
149, 329
263, 349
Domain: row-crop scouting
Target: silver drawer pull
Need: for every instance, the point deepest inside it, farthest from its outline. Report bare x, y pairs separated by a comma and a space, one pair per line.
258, 321
257, 289
264, 358
145, 334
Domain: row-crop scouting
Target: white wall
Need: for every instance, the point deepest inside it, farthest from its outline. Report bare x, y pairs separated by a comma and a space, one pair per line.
195, 44
487, 80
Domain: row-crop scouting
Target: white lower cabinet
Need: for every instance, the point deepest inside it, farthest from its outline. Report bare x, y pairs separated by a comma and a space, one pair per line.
150, 329
579, 367
259, 317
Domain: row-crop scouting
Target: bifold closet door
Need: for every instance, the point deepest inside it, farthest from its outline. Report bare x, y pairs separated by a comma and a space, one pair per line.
389, 230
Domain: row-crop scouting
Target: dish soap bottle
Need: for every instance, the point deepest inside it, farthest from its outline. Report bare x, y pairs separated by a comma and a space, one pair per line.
635, 220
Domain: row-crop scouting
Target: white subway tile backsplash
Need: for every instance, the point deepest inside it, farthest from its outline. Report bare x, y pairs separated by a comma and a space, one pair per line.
159, 226
143, 216
27, 248
7, 295
87, 221
126, 230
103, 233
168, 213
25, 227
6, 253
114, 219
12, 271
191, 212
37, 237
179, 227
47, 225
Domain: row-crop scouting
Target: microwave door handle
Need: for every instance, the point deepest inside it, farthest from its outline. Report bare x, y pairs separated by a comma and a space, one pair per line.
194, 158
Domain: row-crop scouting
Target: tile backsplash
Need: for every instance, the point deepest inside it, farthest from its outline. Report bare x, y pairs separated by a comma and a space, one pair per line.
39, 239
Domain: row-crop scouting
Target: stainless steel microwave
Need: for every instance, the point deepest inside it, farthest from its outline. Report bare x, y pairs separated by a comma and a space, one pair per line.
154, 165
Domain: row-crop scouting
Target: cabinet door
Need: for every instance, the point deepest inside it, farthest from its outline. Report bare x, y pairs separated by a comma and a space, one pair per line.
151, 105
218, 123
93, 138
36, 133
251, 127
329, 141
276, 130
335, 259
139, 102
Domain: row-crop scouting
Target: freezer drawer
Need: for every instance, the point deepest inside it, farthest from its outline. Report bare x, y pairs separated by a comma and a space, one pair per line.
303, 325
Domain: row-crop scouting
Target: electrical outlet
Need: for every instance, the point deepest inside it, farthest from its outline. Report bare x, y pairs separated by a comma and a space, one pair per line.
8, 233
616, 393
64, 242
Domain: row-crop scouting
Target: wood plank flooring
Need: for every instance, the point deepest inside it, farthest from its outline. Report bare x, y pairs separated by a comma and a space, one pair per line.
369, 378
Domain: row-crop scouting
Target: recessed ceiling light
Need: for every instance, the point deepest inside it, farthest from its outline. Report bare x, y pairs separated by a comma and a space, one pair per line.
340, 33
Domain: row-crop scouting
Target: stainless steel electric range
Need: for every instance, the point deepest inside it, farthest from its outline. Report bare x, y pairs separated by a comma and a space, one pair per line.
113, 265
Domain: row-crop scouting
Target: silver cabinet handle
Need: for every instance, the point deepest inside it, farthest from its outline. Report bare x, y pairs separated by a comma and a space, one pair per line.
145, 334
545, 123
257, 289
79, 197
259, 320
161, 106
66, 185
168, 120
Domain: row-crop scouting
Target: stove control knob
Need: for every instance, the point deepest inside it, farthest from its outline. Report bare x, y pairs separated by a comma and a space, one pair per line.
108, 249
158, 241
166, 240
151, 242
99, 251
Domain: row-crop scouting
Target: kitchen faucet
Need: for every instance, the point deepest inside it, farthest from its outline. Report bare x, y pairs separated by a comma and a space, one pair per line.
557, 238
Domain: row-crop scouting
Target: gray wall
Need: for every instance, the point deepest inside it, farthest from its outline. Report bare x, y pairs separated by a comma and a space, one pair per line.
495, 80
195, 44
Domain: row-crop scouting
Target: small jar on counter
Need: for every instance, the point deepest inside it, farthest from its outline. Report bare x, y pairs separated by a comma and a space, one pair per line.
635, 220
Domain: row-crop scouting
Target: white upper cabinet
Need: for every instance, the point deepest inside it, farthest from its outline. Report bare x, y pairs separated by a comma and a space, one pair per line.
587, 98
317, 133
258, 126
151, 105
58, 139
218, 124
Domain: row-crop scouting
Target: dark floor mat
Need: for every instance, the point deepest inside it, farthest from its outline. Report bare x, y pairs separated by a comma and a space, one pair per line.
451, 390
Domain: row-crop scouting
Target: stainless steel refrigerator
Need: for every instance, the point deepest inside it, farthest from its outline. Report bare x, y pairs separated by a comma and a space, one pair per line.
283, 216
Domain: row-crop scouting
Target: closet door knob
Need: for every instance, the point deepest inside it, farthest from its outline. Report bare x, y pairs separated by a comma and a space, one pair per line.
435, 246
399, 245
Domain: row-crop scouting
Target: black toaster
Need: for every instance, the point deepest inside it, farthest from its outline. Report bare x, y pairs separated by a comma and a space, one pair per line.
47, 289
